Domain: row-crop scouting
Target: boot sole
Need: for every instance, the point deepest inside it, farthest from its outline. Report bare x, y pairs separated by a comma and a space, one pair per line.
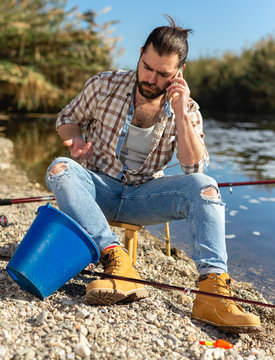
111, 296
230, 328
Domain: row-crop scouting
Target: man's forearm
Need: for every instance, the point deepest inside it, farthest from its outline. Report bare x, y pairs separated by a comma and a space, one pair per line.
69, 131
190, 148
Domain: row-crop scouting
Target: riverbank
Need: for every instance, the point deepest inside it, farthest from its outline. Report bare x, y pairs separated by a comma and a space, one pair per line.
64, 327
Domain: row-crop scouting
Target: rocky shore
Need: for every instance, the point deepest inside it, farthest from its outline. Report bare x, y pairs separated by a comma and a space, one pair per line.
65, 327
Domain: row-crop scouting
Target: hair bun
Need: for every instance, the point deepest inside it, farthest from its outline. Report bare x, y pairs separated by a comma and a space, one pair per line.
174, 26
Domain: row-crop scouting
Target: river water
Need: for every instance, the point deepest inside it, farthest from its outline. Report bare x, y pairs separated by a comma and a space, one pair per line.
239, 150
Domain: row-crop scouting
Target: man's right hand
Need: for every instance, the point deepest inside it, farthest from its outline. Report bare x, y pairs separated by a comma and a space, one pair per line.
79, 149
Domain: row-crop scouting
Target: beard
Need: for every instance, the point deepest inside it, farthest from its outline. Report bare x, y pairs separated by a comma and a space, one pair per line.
154, 91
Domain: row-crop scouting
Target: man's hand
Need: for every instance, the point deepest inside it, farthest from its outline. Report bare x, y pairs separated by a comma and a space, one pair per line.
79, 149
179, 93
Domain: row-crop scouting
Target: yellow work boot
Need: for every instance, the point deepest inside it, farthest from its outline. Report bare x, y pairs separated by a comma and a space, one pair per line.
116, 261
225, 314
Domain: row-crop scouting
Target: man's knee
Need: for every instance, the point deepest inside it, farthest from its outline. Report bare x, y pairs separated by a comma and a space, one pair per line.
57, 168
206, 186
210, 192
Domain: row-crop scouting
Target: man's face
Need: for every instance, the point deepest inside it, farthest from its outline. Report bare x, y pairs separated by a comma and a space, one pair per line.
154, 72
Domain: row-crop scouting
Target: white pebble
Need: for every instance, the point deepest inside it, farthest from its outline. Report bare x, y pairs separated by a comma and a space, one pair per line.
82, 350
82, 314
29, 355
83, 330
158, 340
41, 318
58, 316
83, 339
207, 354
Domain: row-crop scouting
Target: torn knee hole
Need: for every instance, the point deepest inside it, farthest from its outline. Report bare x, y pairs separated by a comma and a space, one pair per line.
57, 168
210, 192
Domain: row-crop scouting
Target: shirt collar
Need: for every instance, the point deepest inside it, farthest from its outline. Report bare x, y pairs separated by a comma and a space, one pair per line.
167, 107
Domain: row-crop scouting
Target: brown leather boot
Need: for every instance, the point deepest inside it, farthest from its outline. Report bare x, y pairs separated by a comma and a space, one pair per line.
116, 261
225, 314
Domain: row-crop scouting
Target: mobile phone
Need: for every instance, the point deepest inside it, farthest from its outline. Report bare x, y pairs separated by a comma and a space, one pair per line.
177, 74
176, 82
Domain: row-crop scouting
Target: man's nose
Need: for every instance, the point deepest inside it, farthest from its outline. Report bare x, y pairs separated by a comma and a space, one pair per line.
152, 78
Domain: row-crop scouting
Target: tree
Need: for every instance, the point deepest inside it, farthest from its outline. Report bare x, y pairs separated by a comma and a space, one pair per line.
48, 52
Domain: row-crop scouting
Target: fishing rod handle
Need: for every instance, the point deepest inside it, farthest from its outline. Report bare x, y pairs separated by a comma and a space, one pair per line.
5, 202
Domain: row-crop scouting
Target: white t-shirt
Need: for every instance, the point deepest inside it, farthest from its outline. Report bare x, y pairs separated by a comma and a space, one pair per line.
136, 146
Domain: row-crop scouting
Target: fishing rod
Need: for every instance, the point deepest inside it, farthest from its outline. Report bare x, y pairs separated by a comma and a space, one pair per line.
261, 182
51, 197
174, 287
162, 285
26, 200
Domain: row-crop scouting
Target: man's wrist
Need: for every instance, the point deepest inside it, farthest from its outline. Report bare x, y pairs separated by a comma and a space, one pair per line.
183, 117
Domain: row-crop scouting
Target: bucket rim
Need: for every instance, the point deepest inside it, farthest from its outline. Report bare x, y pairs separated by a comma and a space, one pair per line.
48, 206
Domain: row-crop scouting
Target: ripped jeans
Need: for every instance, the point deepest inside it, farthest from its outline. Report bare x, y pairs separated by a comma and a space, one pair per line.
91, 198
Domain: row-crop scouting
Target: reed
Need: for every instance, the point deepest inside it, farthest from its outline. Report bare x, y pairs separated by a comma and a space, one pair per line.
239, 84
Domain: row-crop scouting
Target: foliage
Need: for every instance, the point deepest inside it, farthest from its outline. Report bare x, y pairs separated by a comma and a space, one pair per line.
236, 84
50, 50
29, 89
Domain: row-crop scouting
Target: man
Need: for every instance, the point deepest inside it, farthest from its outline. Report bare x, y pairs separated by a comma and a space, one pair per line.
133, 122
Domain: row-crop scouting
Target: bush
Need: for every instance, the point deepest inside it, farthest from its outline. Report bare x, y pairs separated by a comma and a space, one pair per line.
236, 84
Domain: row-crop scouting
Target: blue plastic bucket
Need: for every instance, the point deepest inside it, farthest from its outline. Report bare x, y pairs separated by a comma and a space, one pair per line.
53, 251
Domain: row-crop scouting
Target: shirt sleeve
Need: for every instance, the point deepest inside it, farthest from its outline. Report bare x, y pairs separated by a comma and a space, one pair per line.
80, 110
197, 121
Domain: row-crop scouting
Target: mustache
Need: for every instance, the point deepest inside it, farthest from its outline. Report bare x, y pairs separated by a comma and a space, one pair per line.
151, 86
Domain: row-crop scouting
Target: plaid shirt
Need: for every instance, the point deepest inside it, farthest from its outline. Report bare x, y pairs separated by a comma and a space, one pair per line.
104, 110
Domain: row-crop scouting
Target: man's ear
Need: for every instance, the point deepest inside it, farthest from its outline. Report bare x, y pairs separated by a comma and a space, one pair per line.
183, 66
141, 51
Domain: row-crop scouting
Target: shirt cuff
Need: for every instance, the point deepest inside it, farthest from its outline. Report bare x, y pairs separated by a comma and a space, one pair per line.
198, 167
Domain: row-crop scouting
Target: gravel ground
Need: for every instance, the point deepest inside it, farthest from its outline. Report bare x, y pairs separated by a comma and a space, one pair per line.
64, 327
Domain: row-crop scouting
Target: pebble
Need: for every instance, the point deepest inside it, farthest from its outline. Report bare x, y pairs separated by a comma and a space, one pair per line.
41, 318
58, 316
29, 355
173, 338
3, 325
184, 299
64, 326
82, 350
82, 314
191, 338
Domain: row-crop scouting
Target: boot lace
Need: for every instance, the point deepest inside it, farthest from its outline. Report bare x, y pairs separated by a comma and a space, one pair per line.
223, 288
111, 262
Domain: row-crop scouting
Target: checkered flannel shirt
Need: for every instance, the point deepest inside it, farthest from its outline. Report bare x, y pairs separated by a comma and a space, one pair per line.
101, 110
